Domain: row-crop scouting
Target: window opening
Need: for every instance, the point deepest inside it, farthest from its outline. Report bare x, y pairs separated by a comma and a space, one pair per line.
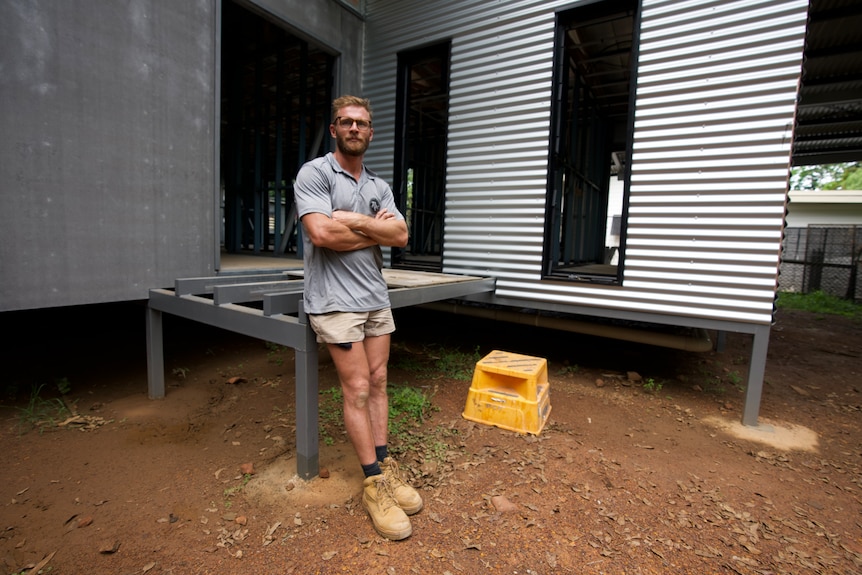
275, 108
420, 157
591, 134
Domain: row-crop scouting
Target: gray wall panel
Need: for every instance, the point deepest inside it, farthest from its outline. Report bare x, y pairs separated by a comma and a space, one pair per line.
108, 161
106, 179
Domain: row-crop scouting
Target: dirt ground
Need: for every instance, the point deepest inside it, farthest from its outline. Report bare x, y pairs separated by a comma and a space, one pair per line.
629, 476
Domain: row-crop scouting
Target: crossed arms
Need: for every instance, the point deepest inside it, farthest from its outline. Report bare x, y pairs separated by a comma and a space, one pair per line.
348, 231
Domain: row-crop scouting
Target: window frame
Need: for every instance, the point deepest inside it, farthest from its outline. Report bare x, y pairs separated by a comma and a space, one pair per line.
593, 271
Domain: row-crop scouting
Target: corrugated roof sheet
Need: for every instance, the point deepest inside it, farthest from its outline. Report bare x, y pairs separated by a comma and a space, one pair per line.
829, 113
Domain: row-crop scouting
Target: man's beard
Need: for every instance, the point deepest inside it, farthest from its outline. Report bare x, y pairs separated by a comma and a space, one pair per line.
352, 147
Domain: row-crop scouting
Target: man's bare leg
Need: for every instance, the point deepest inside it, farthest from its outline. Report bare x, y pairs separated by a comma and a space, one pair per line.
355, 376
362, 372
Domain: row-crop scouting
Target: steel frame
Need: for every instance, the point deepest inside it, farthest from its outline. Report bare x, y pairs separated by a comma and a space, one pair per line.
269, 307
275, 315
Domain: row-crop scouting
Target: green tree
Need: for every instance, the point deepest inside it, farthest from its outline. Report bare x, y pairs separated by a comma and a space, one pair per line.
852, 179
843, 176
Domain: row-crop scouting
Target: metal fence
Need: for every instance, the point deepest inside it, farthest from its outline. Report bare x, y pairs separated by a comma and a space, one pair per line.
822, 258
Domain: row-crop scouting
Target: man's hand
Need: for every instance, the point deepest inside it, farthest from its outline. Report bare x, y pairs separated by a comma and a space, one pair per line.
384, 228
353, 220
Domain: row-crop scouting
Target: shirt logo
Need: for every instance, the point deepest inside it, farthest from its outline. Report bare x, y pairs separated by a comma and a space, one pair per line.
374, 205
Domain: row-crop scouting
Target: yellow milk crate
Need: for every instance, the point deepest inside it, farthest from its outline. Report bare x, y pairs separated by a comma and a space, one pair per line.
510, 391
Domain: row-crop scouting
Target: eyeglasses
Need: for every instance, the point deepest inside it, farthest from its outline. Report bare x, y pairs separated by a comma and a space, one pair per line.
347, 123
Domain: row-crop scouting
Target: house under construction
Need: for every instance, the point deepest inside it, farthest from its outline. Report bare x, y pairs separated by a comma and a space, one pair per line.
615, 163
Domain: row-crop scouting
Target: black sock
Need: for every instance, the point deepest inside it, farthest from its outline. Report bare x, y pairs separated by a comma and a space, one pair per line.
371, 469
382, 452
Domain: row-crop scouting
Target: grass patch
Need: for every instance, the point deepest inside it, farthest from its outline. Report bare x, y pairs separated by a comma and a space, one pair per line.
409, 362
232, 491
652, 386
819, 302
330, 414
41, 412
409, 405
568, 370
437, 362
455, 364
408, 408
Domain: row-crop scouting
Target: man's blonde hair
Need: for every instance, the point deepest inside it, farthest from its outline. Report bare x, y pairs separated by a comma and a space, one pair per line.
344, 101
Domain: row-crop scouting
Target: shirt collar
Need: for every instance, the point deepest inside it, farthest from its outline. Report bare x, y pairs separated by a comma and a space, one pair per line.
330, 157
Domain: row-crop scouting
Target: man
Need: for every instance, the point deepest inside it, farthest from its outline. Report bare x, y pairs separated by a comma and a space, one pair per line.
347, 214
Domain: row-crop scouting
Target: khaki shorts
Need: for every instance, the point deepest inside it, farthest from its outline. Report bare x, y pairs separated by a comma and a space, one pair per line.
349, 327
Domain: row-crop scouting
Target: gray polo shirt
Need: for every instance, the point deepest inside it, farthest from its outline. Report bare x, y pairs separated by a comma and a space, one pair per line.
342, 281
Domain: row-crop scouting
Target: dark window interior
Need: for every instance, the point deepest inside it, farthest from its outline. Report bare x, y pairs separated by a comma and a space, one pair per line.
591, 121
275, 107
420, 153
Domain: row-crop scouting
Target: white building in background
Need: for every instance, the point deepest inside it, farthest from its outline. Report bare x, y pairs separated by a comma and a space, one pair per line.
822, 244
824, 207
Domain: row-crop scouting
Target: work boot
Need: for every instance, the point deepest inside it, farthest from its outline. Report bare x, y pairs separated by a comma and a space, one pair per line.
408, 498
390, 521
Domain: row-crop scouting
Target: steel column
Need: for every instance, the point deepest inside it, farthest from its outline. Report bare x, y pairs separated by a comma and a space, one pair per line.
155, 355
756, 371
307, 437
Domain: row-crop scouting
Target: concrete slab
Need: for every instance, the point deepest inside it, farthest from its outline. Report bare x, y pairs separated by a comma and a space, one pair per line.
779, 435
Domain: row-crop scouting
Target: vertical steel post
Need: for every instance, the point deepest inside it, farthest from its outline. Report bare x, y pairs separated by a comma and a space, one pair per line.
257, 217
280, 223
307, 441
155, 355
756, 371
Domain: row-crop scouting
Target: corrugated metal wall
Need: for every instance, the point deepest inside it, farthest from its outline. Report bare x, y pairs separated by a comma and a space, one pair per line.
716, 97
716, 88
